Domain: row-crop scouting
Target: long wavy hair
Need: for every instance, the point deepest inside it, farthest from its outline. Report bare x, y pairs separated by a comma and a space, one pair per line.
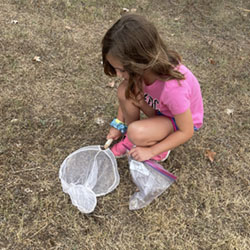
136, 43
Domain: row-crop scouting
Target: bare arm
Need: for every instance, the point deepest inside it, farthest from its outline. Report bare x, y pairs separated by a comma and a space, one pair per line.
120, 114
113, 132
186, 130
185, 124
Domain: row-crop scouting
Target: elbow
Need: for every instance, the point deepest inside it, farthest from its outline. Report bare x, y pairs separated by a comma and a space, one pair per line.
190, 134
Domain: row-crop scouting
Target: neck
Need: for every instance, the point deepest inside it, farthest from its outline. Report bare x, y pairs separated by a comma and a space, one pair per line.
149, 77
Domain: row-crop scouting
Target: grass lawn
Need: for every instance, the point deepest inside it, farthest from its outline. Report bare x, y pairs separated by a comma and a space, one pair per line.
54, 95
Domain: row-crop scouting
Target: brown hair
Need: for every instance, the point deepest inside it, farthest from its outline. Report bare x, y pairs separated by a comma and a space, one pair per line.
136, 43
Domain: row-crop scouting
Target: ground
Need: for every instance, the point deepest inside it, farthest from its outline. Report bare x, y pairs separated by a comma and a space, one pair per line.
55, 99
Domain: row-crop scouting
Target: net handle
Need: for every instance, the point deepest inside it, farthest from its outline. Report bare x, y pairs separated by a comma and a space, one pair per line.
108, 143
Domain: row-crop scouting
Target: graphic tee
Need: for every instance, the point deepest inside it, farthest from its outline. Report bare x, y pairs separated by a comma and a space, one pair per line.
173, 97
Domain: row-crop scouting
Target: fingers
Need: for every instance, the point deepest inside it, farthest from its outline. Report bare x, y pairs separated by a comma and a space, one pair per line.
140, 153
109, 136
114, 135
134, 154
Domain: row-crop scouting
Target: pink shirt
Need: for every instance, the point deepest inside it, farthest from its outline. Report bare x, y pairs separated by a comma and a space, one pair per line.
172, 97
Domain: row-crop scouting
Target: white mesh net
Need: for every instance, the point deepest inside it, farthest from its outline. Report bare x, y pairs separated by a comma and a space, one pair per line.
88, 173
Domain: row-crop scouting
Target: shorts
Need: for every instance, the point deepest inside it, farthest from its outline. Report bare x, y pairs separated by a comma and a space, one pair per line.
172, 119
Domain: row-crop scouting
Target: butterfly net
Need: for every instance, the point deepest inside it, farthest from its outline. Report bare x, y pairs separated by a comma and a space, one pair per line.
88, 173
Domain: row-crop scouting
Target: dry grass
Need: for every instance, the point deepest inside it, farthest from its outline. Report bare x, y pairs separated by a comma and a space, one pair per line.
48, 109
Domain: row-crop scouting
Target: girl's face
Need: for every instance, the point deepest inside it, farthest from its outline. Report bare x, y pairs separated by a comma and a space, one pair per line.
117, 65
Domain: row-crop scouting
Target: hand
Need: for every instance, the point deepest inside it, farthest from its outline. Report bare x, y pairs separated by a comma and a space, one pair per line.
141, 153
114, 134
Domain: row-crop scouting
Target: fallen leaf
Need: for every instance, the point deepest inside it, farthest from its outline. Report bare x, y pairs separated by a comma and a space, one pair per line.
210, 155
68, 28
111, 84
37, 59
212, 61
229, 111
210, 42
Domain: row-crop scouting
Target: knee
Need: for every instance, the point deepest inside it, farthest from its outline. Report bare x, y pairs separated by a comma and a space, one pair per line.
136, 133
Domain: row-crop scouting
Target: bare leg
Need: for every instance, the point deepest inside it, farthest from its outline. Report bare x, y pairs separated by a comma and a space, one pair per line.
144, 132
148, 132
130, 108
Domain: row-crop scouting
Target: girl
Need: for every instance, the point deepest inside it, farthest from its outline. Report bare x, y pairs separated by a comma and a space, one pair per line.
154, 82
